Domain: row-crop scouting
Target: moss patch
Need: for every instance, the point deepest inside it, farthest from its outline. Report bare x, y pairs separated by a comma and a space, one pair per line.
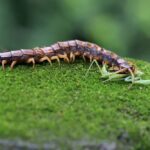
58, 102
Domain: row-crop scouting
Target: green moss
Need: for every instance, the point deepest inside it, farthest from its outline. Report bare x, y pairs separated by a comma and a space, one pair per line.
58, 102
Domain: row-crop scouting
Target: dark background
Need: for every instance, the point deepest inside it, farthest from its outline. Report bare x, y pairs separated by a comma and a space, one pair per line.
119, 25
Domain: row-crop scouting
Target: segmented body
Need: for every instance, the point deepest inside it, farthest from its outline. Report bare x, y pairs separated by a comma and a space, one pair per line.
66, 50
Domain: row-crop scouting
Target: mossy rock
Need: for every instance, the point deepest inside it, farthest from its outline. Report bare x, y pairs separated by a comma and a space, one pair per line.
59, 103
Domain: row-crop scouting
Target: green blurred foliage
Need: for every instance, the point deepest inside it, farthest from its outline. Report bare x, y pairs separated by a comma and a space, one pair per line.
121, 26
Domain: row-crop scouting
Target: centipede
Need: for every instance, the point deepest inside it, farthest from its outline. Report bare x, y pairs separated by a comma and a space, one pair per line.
111, 66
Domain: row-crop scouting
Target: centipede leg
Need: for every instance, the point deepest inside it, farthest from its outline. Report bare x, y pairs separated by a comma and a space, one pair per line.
66, 59
13, 64
64, 56
114, 68
3, 64
132, 77
56, 58
83, 56
46, 58
90, 58
31, 60
72, 57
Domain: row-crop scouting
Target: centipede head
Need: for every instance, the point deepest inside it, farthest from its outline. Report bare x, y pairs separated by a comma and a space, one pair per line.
128, 66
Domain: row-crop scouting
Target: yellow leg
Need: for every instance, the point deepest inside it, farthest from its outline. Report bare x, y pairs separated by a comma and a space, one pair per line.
84, 57
90, 58
114, 68
12, 65
31, 60
132, 77
56, 58
46, 58
72, 57
3, 64
64, 56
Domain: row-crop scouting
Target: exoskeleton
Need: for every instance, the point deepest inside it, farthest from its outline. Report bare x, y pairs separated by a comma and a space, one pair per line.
113, 66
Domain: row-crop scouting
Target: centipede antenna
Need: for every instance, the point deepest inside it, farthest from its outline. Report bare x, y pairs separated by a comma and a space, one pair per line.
94, 61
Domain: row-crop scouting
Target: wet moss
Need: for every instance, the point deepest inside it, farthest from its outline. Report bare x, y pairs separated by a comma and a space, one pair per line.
59, 102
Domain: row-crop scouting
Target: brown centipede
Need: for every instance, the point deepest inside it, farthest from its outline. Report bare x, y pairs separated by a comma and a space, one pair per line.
68, 51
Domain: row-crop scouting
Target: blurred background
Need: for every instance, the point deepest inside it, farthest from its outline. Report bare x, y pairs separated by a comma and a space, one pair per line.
121, 26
